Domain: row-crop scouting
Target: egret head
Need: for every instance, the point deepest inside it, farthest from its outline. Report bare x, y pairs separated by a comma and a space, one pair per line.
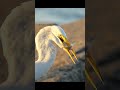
60, 38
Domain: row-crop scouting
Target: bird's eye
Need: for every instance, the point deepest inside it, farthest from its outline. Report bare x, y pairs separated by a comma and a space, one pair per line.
61, 39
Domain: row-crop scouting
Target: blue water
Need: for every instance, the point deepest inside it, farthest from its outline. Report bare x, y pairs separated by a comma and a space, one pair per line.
58, 15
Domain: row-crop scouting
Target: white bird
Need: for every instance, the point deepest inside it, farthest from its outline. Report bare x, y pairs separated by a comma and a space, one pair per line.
45, 40
46, 49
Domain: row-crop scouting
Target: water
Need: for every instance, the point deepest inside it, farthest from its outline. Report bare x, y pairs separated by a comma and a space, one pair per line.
58, 15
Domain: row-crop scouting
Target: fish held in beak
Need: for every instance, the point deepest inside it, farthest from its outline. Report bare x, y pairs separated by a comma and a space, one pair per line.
68, 49
70, 52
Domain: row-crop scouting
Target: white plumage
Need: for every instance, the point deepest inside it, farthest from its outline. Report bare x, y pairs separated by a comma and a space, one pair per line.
46, 50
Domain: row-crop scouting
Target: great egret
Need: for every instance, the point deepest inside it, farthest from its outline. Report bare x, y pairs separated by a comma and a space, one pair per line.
47, 51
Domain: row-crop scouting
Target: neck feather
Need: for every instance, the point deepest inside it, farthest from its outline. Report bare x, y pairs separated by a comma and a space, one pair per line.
44, 45
46, 53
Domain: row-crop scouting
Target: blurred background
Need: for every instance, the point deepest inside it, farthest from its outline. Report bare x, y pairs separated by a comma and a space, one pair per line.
58, 15
16, 25
72, 20
103, 25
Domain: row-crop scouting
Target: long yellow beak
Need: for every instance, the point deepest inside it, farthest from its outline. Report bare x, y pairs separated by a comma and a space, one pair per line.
68, 49
94, 66
70, 53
